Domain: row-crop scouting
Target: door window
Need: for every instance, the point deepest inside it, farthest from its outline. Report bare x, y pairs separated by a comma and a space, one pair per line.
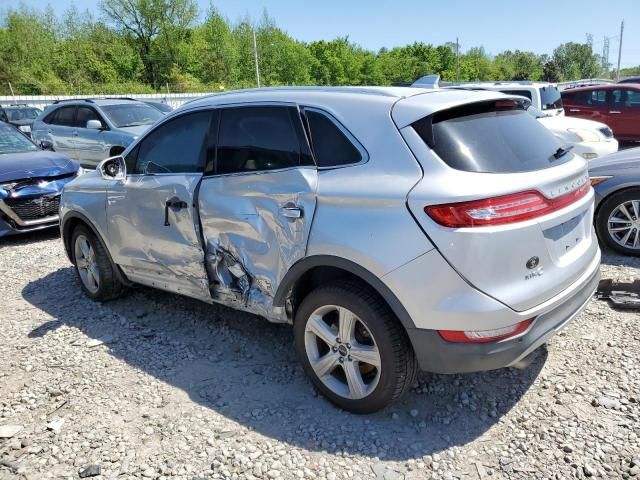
177, 146
598, 98
64, 116
625, 98
260, 138
331, 146
84, 114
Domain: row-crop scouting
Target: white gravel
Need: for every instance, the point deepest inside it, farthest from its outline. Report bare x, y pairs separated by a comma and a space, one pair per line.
158, 386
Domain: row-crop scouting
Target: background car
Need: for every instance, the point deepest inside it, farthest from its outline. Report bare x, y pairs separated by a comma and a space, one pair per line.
589, 139
91, 130
31, 180
630, 80
616, 105
19, 115
164, 107
616, 181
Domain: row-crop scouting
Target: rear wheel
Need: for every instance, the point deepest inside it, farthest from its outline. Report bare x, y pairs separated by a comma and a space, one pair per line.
93, 266
618, 222
353, 348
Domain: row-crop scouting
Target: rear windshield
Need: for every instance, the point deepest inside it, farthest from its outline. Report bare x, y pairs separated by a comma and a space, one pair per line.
489, 137
550, 98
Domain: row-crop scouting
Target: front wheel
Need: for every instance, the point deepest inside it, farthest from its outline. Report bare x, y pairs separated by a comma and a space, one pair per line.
353, 348
618, 221
93, 266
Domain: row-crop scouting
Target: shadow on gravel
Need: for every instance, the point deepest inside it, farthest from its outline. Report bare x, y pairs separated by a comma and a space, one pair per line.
32, 237
609, 257
246, 369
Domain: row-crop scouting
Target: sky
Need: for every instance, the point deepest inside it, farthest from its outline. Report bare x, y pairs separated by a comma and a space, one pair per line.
538, 26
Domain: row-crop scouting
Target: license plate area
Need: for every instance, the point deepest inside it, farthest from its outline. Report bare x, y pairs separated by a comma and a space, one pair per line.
564, 239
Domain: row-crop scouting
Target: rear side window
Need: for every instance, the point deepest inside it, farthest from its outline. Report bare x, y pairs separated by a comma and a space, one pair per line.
63, 116
252, 139
331, 146
550, 98
625, 98
489, 137
177, 146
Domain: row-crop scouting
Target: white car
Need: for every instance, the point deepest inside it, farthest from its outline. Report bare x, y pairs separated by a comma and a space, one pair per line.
589, 139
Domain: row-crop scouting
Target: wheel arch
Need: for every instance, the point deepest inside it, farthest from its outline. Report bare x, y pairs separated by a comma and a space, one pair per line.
75, 219
313, 271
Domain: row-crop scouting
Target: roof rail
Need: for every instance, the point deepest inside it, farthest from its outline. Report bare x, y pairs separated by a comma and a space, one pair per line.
119, 98
73, 100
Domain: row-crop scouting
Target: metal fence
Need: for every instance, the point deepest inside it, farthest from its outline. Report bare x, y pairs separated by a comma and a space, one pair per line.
41, 101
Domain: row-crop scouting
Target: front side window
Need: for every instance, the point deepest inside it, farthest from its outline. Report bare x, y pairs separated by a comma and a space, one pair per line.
177, 146
12, 141
259, 138
331, 146
84, 114
132, 114
624, 98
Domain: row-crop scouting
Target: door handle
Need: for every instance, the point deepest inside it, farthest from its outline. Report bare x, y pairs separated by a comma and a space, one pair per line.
292, 212
616, 112
173, 202
575, 110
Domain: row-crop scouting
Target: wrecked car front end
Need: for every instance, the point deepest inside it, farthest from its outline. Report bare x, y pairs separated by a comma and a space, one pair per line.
30, 188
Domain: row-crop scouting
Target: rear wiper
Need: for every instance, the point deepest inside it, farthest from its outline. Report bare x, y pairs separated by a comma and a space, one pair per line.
562, 151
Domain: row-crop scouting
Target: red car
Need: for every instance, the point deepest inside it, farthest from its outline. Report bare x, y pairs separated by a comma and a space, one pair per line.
617, 105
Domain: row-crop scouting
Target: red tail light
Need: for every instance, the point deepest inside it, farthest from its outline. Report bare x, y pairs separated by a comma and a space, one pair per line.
512, 208
484, 336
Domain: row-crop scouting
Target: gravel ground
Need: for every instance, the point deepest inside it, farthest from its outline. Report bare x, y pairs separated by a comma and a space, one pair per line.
159, 386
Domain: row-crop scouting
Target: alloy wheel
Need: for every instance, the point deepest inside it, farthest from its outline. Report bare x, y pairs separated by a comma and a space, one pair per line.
624, 224
342, 352
86, 264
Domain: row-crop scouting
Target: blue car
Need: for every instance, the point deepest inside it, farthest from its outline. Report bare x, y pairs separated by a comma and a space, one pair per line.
31, 181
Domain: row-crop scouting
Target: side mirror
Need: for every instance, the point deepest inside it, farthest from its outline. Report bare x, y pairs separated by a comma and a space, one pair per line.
94, 124
113, 168
46, 145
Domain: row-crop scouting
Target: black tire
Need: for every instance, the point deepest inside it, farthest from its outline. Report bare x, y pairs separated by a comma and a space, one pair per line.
398, 362
109, 287
602, 218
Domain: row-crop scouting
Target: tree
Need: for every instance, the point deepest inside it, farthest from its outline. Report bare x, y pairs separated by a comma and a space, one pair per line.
575, 61
145, 21
551, 72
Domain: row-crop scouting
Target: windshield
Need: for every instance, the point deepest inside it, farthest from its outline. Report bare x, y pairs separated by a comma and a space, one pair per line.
550, 98
12, 141
15, 114
131, 115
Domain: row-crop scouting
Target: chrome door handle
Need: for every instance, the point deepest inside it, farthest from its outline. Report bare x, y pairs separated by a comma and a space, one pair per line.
575, 110
291, 212
614, 111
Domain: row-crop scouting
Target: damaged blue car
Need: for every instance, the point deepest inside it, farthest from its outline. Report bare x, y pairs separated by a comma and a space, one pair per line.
31, 180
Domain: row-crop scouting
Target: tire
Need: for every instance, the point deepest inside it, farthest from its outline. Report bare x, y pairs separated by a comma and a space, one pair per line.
611, 208
106, 286
375, 330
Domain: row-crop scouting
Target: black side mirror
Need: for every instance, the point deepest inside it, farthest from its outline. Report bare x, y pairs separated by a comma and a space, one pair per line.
46, 145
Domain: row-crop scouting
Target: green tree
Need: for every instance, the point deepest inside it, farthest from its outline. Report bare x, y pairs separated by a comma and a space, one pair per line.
575, 61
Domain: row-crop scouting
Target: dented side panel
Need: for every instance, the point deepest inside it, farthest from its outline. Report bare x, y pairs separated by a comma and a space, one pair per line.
169, 257
252, 235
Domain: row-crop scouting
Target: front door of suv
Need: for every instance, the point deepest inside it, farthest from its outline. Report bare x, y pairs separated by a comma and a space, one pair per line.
624, 113
90, 145
257, 202
153, 229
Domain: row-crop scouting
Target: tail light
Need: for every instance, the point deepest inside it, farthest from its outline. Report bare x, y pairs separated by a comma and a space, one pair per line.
484, 336
512, 208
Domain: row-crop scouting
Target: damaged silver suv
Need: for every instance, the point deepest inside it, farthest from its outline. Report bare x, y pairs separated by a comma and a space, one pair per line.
394, 228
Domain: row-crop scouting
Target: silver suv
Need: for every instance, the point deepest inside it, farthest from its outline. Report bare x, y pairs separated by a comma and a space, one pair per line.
91, 130
394, 228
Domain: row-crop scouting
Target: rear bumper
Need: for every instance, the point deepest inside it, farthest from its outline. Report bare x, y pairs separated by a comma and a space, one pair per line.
439, 356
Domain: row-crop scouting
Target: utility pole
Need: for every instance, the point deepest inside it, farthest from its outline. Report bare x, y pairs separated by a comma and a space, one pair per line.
620, 50
255, 57
605, 57
457, 61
